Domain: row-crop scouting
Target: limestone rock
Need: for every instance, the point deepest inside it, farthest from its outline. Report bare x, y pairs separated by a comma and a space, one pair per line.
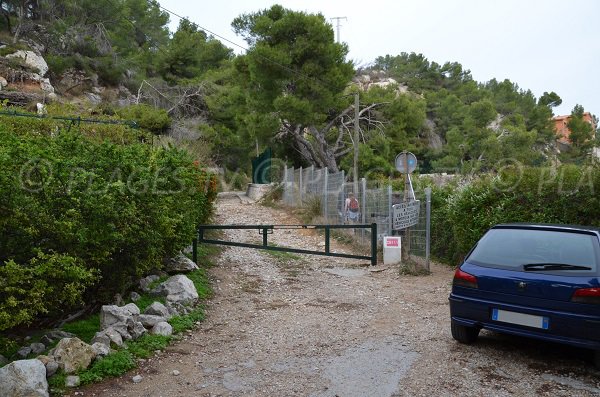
51, 368
24, 351
179, 289
37, 348
137, 330
101, 349
23, 378
72, 381
158, 309
107, 336
150, 320
3, 82
72, 354
32, 60
137, 379
162, 328
134, 296
146, 281
112, 314
132, 309
179, 264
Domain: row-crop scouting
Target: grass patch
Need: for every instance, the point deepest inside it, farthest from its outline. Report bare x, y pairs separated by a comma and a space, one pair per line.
56, 384
114, 364
412, 268
185, 322
284, 256
273, 197
146, 300
145, 346
201, 282
84, 329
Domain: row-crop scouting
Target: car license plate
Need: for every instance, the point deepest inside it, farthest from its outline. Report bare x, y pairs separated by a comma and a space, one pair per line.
527, 320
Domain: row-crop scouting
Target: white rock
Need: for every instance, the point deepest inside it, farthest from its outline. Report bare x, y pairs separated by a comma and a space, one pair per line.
3, 82
137, 379
132, 308
51, 368
180, 264
32, 60
162, 328
150, 320
137, 330
146, 281
134, 296
23, 378
37, 348
112, 314
72, 355
101, 349
175, 372
110, 334
178, 289
46, 86
158, 309
72, 381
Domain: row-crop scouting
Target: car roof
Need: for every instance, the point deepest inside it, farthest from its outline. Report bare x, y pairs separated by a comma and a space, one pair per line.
548, 226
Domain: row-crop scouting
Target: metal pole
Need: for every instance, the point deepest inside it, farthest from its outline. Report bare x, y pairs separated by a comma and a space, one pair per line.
300, 187
327, 235
428, 226
373, 244
325, 188
390, 212
265, 237
363, 185
285, 185
356, 138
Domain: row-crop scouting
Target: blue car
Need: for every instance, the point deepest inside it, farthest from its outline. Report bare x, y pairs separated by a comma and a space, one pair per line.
532, 280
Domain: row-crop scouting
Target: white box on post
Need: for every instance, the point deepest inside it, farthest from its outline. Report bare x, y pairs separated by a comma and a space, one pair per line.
392, 250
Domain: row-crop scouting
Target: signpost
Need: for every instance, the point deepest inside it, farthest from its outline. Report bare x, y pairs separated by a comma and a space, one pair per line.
406, 214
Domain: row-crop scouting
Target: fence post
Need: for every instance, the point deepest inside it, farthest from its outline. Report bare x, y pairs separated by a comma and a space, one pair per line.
195, 248
428, 226
363, 187
390, 224
300, 187
285, 185
325, 192
373, 244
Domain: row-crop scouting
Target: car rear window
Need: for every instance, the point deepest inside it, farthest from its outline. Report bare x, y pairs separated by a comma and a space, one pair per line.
513, 248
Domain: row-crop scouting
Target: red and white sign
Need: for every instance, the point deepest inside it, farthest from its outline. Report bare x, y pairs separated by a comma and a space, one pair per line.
392, 242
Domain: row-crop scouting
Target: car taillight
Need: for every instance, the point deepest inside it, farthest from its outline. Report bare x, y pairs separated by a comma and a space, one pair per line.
464, 279
587, 295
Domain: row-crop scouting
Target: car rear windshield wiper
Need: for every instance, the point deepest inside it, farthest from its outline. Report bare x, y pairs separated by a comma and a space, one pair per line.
553, 266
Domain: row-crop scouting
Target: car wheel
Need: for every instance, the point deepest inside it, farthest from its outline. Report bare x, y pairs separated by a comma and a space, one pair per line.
464, 334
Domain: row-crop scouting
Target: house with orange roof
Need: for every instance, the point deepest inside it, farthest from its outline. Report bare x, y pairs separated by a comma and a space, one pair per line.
562, 130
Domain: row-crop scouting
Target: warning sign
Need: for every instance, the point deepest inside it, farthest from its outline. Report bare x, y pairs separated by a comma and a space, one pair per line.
406, 214
392, 242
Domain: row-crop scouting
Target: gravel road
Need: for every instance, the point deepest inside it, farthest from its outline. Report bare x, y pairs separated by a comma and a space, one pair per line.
315, 326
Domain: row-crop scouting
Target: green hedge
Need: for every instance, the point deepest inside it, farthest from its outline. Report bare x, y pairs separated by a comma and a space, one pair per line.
460, 215
81, 219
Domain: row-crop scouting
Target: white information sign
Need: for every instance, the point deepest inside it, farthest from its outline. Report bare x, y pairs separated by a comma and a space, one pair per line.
406, 214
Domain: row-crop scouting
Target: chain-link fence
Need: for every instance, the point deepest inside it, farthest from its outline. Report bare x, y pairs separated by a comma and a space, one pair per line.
331, 192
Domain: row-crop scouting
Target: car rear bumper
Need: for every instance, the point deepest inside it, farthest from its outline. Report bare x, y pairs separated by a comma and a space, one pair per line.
567, 328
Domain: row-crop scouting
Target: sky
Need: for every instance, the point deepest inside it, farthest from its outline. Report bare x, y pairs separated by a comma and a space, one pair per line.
542, 45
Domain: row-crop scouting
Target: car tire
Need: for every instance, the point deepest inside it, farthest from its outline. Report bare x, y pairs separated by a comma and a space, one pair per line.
463, 334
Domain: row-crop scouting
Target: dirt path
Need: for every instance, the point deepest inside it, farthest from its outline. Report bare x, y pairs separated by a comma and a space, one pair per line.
312, 326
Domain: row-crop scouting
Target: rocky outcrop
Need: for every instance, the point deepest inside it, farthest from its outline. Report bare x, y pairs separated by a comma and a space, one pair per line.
31, 60
72, 355
23, 378
179, 264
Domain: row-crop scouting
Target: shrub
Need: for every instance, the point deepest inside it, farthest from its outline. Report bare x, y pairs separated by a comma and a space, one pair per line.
152, 119
562, 195
79, 218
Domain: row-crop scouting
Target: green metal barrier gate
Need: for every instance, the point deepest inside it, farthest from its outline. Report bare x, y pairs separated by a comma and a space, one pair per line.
265, 230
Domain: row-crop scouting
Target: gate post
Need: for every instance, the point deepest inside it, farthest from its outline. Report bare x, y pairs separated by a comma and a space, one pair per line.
325, 192
390, 224
300, 188
373, 244
428, 226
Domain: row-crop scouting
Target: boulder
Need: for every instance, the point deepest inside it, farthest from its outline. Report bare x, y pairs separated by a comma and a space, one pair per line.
45, 85
23, 378
179, 289
158, 309
72, 381
101, 349
3, 82
137, 330
146, 281
58, 334
162, 328
37, 348
45, 359
134, 296
132, 309
72, 355
112, 314
35, 62
51, 368
123, 329
179, 264
107, 336
24, 351
150, 320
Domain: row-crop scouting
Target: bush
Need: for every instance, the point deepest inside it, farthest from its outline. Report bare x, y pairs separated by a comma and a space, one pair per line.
562, 195
147, 117
82, 219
